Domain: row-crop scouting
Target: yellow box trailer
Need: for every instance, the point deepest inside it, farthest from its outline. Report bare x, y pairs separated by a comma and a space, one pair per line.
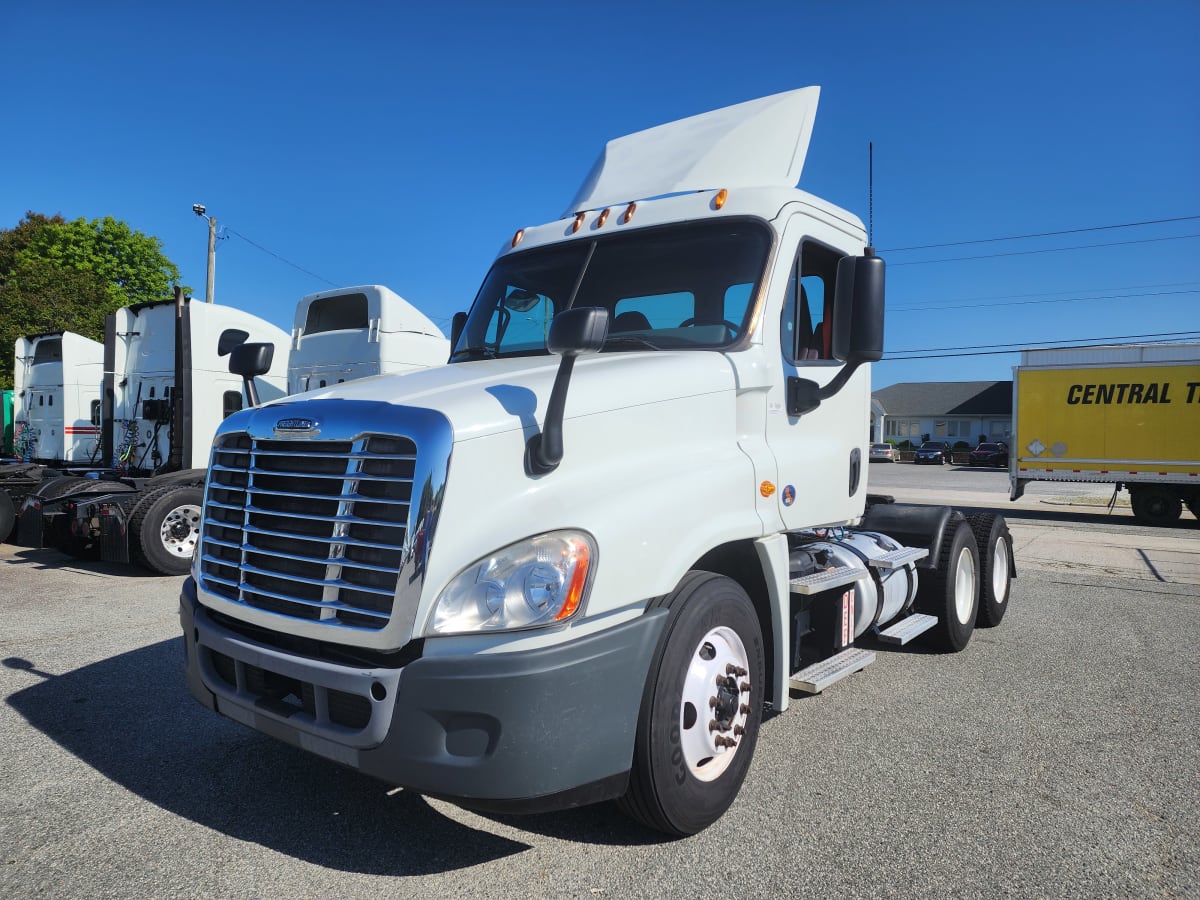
1127, 416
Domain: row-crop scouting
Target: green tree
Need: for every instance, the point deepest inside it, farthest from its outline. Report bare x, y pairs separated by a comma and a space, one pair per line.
59, 275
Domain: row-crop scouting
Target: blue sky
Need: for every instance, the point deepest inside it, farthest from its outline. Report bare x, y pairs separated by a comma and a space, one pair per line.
403, 145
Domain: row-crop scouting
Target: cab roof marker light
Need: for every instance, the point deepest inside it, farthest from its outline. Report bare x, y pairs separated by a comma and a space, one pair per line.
518, 236
578, 223
629, 211
603, 218
719, 200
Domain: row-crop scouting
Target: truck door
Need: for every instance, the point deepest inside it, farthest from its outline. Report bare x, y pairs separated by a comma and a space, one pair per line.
820, 455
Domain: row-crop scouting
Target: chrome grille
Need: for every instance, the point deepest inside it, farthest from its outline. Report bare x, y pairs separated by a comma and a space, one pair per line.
310, 529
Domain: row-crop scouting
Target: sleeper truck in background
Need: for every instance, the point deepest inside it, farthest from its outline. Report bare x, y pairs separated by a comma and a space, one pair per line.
166, 388
578, 562
55, 415
1128, 416
355, 332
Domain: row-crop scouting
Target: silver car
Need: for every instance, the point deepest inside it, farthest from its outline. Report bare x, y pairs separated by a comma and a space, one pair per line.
883, 453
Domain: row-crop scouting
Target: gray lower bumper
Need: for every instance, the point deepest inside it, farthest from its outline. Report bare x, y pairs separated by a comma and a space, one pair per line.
526, 730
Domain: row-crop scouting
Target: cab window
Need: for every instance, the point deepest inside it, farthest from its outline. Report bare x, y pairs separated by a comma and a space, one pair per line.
806, 328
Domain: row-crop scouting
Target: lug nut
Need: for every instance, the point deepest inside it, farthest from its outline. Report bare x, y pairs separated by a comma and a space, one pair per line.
744, 687
712, 702
738, 730
744, 709
714, 725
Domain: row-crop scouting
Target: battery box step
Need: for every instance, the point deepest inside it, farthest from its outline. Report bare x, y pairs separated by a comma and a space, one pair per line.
908, 628
820, 675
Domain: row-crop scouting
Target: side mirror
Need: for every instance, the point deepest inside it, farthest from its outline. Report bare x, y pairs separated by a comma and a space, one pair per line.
574, 332
858, 310
857, 330
457, 325
250, 361
230, 338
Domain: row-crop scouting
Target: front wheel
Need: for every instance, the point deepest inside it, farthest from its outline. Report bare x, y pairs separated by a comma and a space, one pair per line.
701, 708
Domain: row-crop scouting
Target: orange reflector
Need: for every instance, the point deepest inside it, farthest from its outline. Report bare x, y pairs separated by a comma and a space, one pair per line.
575, 590
578, 223
719, 200
766, 489
629, 212
603, 218
517, 237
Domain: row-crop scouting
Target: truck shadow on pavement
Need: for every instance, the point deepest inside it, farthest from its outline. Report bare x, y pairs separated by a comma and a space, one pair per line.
47, 559
131, 718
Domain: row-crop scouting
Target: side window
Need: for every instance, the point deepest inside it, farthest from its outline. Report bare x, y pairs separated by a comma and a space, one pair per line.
231, 402
806, 327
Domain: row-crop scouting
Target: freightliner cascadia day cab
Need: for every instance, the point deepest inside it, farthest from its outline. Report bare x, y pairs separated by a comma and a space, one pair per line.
356, 332
1128, 416
55, 416
145, 505
577, 562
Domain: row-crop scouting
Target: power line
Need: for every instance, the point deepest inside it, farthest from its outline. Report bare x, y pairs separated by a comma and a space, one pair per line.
280, 258
1122, 287
921, 262
1021, 237
1037, 302
984, 349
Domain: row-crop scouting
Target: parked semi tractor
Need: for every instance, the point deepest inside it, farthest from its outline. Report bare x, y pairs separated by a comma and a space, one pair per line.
579, 561
1128, 416
55, 414
355, 332
166, 387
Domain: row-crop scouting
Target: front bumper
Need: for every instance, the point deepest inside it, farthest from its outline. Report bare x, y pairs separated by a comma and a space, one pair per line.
526, 731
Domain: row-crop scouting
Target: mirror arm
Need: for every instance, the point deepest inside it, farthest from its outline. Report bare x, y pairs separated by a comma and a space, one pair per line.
804, 395
544, 451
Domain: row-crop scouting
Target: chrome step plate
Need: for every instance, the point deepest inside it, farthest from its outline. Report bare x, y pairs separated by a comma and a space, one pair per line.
906, 629
826, 580
897, 558
820, 675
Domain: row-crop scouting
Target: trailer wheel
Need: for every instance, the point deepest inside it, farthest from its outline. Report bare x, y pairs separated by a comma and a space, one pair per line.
701, 708
1155, 505
952, 591
995, 566
164, 528
8, 516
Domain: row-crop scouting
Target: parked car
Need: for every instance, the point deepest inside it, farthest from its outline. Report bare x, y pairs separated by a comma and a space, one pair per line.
883, 453
933, 452
991, 453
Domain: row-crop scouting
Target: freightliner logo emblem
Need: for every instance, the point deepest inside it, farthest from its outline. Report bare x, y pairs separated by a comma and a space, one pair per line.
297, 426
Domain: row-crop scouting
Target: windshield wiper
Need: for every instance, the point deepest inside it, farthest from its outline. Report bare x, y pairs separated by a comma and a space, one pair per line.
474, 353
630, 340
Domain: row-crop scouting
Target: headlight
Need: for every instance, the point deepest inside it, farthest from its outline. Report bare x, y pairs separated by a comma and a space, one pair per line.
537, 581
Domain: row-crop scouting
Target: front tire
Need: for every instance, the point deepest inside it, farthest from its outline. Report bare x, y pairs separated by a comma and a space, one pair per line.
701, 708
951, 593
164, 528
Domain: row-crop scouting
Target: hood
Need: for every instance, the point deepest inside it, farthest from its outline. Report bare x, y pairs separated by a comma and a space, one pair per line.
492, 396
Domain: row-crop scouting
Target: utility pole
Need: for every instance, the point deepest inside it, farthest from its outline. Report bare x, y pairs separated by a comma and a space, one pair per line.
199, 210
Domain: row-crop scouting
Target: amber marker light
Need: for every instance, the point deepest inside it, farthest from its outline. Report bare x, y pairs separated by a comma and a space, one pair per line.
518, 236
603, 218
719, 200
629, 210
575, 590
766, 489
578, 223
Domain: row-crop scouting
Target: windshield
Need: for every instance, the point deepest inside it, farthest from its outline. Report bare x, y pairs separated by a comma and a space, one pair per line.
685, 286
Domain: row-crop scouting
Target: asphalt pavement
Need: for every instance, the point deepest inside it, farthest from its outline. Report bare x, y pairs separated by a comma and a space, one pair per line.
1055, 756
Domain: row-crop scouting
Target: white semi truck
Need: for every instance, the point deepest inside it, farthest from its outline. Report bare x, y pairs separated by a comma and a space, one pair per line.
56, 414
577, 563
145, 503
355, 332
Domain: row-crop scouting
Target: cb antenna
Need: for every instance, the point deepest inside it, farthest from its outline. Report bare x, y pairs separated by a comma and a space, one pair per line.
870, 194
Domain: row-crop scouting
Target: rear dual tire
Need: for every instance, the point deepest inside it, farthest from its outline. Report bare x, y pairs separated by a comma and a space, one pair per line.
951, 591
